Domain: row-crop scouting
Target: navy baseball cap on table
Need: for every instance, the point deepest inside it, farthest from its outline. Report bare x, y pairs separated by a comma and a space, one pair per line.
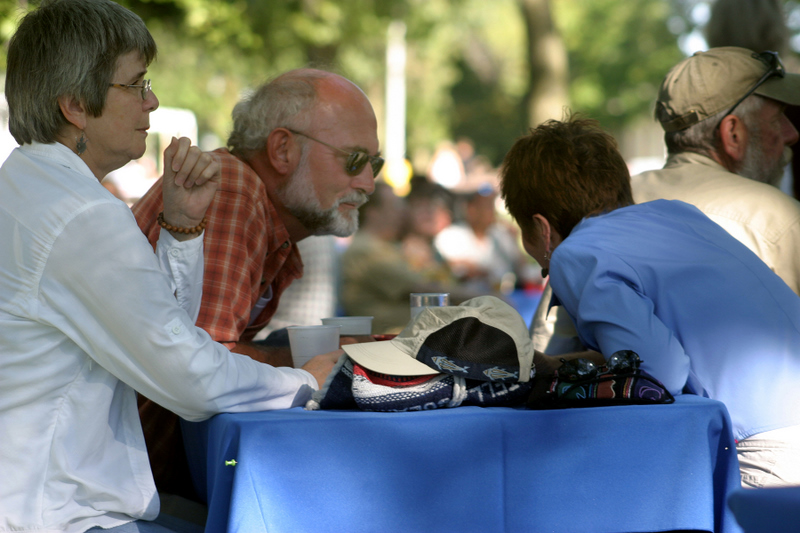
482, 339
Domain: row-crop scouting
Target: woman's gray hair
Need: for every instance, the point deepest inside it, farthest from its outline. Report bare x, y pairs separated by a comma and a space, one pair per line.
281, 102
703, 137
67, 48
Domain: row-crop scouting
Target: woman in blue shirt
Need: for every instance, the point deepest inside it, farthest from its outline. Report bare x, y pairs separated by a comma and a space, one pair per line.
703, 312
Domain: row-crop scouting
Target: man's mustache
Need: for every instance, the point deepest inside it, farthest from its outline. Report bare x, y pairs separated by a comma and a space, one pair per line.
357, 198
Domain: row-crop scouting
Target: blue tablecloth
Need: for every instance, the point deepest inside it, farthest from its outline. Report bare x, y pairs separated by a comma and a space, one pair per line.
609, 469
767, 510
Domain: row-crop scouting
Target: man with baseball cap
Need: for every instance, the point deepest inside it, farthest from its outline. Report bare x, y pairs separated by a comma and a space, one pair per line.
728, 142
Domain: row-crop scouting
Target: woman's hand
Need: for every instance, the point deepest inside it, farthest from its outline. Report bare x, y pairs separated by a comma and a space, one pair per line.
189, 183
546, 367
322, 365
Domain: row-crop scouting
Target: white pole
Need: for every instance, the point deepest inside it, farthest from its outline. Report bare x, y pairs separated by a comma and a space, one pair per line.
397, 172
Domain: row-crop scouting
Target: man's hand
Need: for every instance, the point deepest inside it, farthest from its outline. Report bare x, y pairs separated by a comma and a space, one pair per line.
321, 365
189, 183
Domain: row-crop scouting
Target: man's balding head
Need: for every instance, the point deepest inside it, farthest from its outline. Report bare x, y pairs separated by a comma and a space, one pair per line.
311, 135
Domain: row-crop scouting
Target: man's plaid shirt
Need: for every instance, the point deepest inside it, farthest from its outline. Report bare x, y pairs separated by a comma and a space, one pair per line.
247, 249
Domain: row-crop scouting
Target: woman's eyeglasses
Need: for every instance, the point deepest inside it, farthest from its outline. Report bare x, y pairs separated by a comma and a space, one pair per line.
144, 86
775, 68
356, 161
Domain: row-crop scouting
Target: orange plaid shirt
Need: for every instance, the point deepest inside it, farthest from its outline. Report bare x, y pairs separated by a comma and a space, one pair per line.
247, 250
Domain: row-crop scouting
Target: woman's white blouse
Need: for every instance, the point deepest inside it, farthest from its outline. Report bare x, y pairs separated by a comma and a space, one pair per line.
88, 316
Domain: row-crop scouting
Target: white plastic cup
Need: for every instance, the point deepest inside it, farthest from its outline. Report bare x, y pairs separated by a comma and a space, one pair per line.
421, 300
307, 342
350, 325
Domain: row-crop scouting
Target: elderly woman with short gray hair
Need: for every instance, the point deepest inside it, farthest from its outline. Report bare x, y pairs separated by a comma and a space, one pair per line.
88, 313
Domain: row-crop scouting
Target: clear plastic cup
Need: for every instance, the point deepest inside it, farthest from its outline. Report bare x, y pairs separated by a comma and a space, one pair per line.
421, 300
309, 341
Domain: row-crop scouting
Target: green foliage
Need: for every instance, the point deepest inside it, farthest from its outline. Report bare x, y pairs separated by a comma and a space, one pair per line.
466, 59
10, 13
211, 51
618, 52
492, 79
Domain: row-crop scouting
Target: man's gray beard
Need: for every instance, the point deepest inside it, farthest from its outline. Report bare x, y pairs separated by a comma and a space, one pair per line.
755, 165
299, 198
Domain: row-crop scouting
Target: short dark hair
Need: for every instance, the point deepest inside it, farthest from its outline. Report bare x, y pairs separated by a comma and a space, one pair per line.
67, 47
424, 189
564, 171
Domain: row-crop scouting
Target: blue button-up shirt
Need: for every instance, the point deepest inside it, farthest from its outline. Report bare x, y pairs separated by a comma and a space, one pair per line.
702, 311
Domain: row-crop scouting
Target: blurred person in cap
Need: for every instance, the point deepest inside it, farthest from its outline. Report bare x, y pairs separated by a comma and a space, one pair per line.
728, 142
301, 159
89, 315
704, 313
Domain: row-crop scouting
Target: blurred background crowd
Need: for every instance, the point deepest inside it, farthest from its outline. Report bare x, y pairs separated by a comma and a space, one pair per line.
453, 83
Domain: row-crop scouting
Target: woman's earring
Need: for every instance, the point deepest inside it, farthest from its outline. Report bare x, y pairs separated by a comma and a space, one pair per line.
546, 270
81, 145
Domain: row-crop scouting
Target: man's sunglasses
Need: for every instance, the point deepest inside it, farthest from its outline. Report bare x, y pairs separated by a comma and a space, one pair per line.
775, 68
356, 161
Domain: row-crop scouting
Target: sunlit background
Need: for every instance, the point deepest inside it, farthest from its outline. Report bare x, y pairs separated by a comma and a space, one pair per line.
453, 82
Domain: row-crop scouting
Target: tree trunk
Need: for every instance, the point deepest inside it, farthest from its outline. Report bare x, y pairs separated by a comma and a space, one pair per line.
546, 96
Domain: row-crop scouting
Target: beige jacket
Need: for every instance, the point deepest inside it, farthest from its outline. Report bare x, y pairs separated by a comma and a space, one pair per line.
760, 216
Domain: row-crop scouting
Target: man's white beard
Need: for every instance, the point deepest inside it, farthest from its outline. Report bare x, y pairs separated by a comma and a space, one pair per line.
755, 165
299, 197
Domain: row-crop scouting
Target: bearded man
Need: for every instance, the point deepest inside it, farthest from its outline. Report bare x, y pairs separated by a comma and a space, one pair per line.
728, 142
301, 160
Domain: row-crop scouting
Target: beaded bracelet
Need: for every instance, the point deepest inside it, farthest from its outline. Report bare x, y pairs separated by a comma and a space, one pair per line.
169, 227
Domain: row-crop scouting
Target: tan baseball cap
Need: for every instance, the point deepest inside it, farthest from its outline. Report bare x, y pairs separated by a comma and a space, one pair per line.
709, 82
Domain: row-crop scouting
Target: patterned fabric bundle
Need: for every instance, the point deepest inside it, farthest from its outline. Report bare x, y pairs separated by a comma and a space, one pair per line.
637, 387
578, 383
352, 386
